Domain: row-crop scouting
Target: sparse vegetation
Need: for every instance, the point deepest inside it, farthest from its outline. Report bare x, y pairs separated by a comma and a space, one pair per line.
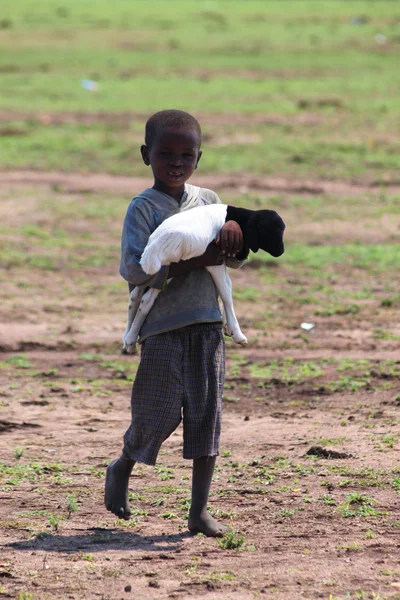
72, 505
231, 540
298, 108
18, 452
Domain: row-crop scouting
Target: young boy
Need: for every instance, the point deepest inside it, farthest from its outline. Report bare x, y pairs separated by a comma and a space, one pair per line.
182, 366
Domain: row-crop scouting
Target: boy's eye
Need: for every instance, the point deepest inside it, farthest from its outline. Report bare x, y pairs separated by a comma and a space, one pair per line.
188, 155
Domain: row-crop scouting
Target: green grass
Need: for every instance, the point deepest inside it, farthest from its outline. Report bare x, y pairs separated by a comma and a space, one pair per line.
374, 257
229, 57
231, 540
114, 147
287, 372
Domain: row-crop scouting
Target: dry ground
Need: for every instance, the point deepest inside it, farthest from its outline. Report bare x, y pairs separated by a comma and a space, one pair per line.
319, 525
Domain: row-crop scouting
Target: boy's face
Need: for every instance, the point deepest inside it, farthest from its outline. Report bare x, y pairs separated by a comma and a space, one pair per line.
173, 156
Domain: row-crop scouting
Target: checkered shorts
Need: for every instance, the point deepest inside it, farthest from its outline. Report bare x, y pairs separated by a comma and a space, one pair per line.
180, 375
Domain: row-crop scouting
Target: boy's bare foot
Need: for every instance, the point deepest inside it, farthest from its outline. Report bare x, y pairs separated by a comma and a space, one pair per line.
205, 523
116, 488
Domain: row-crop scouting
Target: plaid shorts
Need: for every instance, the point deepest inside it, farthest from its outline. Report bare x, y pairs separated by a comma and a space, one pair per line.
180, 376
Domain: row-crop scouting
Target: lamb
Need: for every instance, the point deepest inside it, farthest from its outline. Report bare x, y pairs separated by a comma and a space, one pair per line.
187, 234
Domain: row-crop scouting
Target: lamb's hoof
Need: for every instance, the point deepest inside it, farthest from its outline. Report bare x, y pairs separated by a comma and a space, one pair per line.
128, 348
240, 339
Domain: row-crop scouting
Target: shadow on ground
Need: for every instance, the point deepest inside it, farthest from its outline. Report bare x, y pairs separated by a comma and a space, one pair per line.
101, 540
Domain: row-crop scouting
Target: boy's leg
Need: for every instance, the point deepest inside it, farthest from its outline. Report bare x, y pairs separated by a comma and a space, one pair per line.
156, 412
116, 488
200, 520
204, 370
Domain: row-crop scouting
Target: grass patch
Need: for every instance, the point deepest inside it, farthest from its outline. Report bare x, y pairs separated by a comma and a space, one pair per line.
140, 55
231, 540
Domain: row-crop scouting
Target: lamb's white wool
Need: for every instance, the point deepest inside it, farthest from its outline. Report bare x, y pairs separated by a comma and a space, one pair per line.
183, 236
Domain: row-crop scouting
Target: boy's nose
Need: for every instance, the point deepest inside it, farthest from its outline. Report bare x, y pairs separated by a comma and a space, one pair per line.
175, 160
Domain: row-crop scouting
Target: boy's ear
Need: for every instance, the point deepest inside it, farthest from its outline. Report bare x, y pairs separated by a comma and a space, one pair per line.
198, 158
145, 154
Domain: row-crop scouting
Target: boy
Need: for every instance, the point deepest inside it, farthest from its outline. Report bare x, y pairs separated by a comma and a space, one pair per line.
182, 366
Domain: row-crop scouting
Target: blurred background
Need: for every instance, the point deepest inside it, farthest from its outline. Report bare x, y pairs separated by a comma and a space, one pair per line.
296, 88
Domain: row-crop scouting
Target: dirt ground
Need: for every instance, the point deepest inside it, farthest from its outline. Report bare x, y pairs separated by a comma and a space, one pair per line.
308, 477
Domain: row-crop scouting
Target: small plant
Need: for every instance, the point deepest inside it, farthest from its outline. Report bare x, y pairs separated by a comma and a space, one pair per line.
357, 498
263, 476
165, 473
216, 576
20, 362
328, 499
354, 547
138, 512
347, 383
231, 540
363, 503
192, 569
99, 473
135, 496
396, 483
158, 502
286, 512
72, 505
54, 521
220, 513
389, 440
87, 557
127, 524
18, 452
369, 534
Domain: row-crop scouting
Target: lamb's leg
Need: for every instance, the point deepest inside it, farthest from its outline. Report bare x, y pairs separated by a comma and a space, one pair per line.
134, 300
145, 305
224, 287
224, 325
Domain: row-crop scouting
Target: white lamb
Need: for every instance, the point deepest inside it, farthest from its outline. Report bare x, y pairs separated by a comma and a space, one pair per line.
186, 235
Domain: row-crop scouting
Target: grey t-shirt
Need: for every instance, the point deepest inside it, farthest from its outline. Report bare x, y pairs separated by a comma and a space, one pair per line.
188, 299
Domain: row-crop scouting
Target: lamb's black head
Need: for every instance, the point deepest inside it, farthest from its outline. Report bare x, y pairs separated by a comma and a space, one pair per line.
265, 230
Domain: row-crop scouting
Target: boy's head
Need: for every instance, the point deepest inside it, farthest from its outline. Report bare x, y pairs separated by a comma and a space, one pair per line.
172, 149
177, 120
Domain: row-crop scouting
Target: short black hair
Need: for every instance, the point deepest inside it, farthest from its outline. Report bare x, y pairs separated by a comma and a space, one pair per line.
165, 119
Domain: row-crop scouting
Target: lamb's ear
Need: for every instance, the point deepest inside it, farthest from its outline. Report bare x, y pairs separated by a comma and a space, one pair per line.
252, 238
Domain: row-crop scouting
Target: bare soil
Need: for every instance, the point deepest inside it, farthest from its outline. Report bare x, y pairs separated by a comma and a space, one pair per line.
240, 184
324, 525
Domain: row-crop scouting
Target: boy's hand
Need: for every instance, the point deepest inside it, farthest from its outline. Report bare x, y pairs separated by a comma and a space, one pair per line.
212, 256
230, 239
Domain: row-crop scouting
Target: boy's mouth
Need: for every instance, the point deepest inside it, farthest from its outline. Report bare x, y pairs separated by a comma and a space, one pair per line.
175, 174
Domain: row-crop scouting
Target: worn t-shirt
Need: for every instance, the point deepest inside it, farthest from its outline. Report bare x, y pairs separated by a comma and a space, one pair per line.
188, 299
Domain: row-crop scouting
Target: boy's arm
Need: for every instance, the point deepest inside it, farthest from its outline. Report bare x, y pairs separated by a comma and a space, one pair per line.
211, 257
138, 226
230, 240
